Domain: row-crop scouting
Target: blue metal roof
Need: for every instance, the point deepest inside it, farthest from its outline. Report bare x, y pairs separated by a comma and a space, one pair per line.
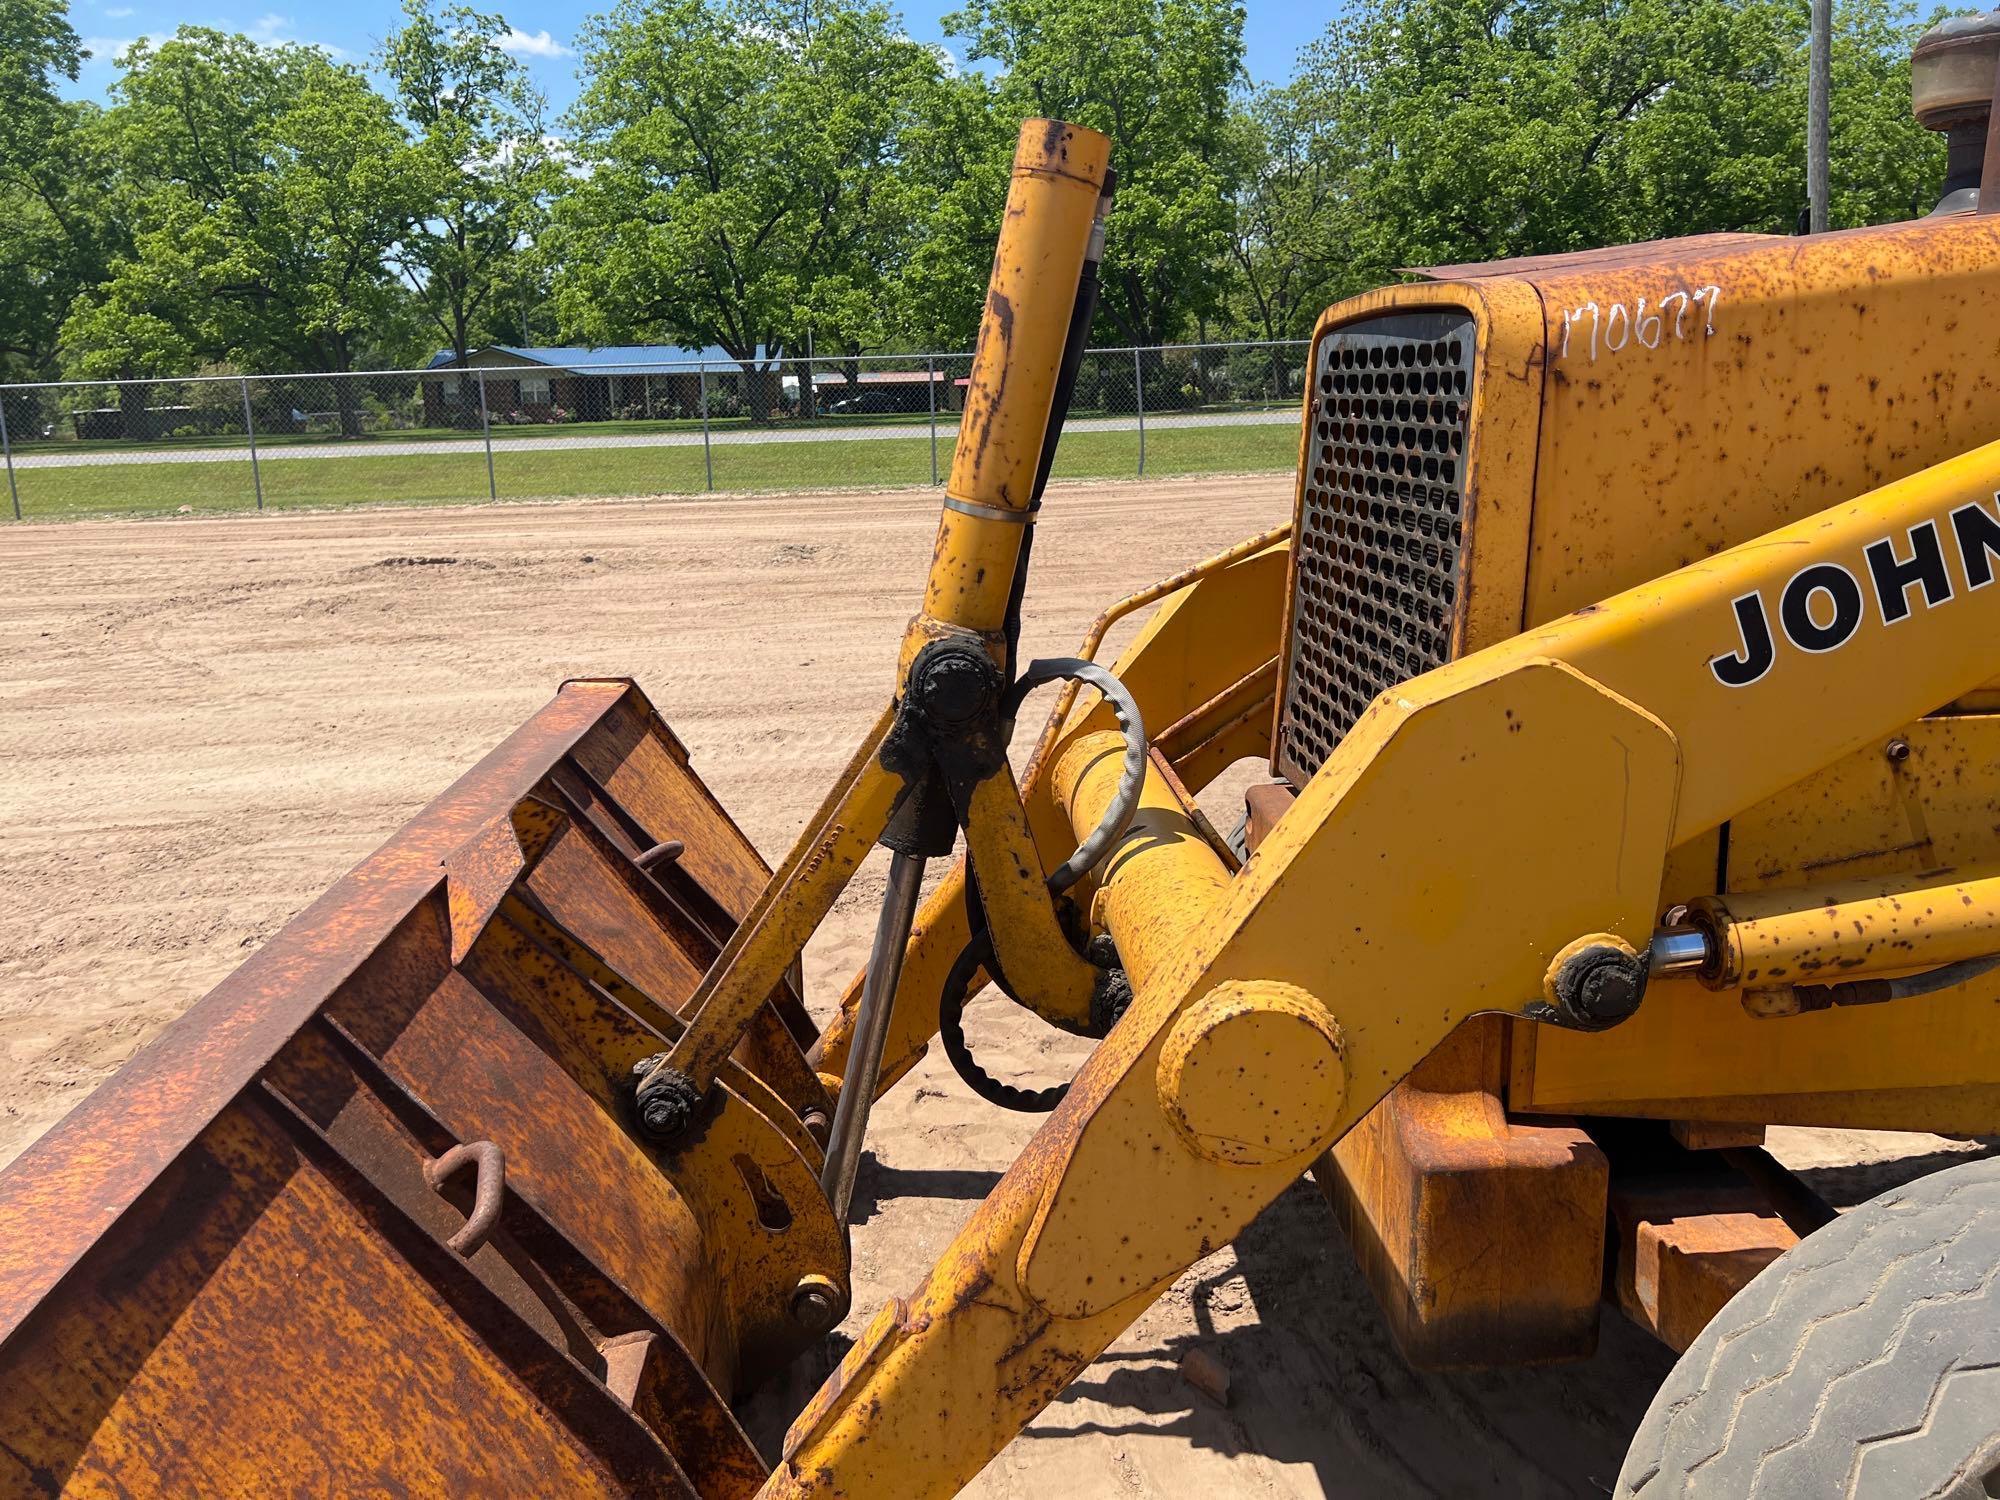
611, 359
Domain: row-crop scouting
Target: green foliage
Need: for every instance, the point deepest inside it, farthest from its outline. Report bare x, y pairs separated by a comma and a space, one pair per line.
37, 46
1154, 75
57, 233
1884, 166
271, 183
1287, 245
1470, 129
742, 181
957, 154
486, 168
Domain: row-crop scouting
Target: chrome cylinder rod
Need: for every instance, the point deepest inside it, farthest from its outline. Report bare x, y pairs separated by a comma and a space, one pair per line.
871, 1031
1677, 950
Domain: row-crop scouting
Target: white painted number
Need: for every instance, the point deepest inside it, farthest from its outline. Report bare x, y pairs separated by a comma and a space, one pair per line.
1680, 313
1647, 328
1709, 295
1623, 325
1575, 315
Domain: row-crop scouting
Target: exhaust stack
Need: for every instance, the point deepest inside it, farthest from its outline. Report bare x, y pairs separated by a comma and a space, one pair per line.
1953, 76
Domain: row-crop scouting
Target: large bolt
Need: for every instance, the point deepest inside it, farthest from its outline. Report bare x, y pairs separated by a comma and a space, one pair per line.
1597, 984
955, 682
1253, 1074
817, 1303
665, 853
665, 1106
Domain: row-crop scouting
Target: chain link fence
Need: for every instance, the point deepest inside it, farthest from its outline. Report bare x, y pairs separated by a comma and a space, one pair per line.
502, 426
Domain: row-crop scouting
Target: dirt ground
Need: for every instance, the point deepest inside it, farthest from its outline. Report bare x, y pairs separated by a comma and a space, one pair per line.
204, 722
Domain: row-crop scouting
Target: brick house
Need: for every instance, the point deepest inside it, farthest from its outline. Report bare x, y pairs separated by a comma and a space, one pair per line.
576, 384
653, 381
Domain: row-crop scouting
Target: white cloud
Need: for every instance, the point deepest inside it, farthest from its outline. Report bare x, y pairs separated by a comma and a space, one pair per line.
533, 44
104, 50
118, 12
272, 29
564, 154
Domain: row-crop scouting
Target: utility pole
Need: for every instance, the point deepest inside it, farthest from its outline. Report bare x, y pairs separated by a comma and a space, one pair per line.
1819, 95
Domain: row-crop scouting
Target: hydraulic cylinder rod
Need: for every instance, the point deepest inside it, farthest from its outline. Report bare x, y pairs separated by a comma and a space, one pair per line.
1052, 203
878, 993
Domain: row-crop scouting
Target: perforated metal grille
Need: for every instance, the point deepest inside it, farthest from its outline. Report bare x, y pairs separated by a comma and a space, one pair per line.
1379, 552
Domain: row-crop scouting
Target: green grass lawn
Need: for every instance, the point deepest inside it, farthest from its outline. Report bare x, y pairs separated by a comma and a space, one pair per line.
420, 478
504, 432
271, 442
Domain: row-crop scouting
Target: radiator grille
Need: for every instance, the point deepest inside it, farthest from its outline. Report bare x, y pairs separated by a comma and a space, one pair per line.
1379, 550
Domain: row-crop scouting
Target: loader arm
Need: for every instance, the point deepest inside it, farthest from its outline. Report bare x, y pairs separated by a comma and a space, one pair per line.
1487, 836
508, 1156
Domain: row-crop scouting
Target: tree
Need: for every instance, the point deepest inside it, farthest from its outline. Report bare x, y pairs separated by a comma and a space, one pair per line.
488, 170
1287, 239
1473, 129
1884, 165
958, 155
275, 183
1155, 76
57, 231
742, 178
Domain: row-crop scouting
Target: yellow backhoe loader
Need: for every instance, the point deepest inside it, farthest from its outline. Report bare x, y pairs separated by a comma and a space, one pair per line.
1628, 684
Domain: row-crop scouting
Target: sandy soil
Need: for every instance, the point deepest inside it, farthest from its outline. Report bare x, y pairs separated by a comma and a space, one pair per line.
204, 722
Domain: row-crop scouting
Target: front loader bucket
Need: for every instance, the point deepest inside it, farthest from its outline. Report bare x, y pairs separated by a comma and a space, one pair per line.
372, 1217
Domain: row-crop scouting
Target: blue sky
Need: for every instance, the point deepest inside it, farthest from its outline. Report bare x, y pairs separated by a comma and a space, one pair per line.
542, 31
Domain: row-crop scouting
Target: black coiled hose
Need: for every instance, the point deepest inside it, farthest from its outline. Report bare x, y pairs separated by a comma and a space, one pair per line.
978, 953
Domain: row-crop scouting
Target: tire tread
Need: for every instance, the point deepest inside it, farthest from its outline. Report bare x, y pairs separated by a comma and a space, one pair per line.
1850, 1356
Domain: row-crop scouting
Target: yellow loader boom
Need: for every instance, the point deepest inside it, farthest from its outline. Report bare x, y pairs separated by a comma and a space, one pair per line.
508, 1165
1433, 869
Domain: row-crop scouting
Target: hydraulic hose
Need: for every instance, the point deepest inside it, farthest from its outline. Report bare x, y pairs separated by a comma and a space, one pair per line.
1906, 987
978, 953
951, 1031
1132, 778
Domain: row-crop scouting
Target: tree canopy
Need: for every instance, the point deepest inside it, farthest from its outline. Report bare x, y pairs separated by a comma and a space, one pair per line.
770, 176
1440, 131
1156, 76
58, 227
486, 169
269, 187
741, 177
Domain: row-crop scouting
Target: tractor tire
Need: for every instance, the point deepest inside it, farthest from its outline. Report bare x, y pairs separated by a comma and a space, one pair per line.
1863, 1362
1238, 838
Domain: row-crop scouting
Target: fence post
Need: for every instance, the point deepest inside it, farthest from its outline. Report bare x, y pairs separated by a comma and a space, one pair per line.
707, 454
7, 445
930, 385
250, 432
1139, 391
486, 427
